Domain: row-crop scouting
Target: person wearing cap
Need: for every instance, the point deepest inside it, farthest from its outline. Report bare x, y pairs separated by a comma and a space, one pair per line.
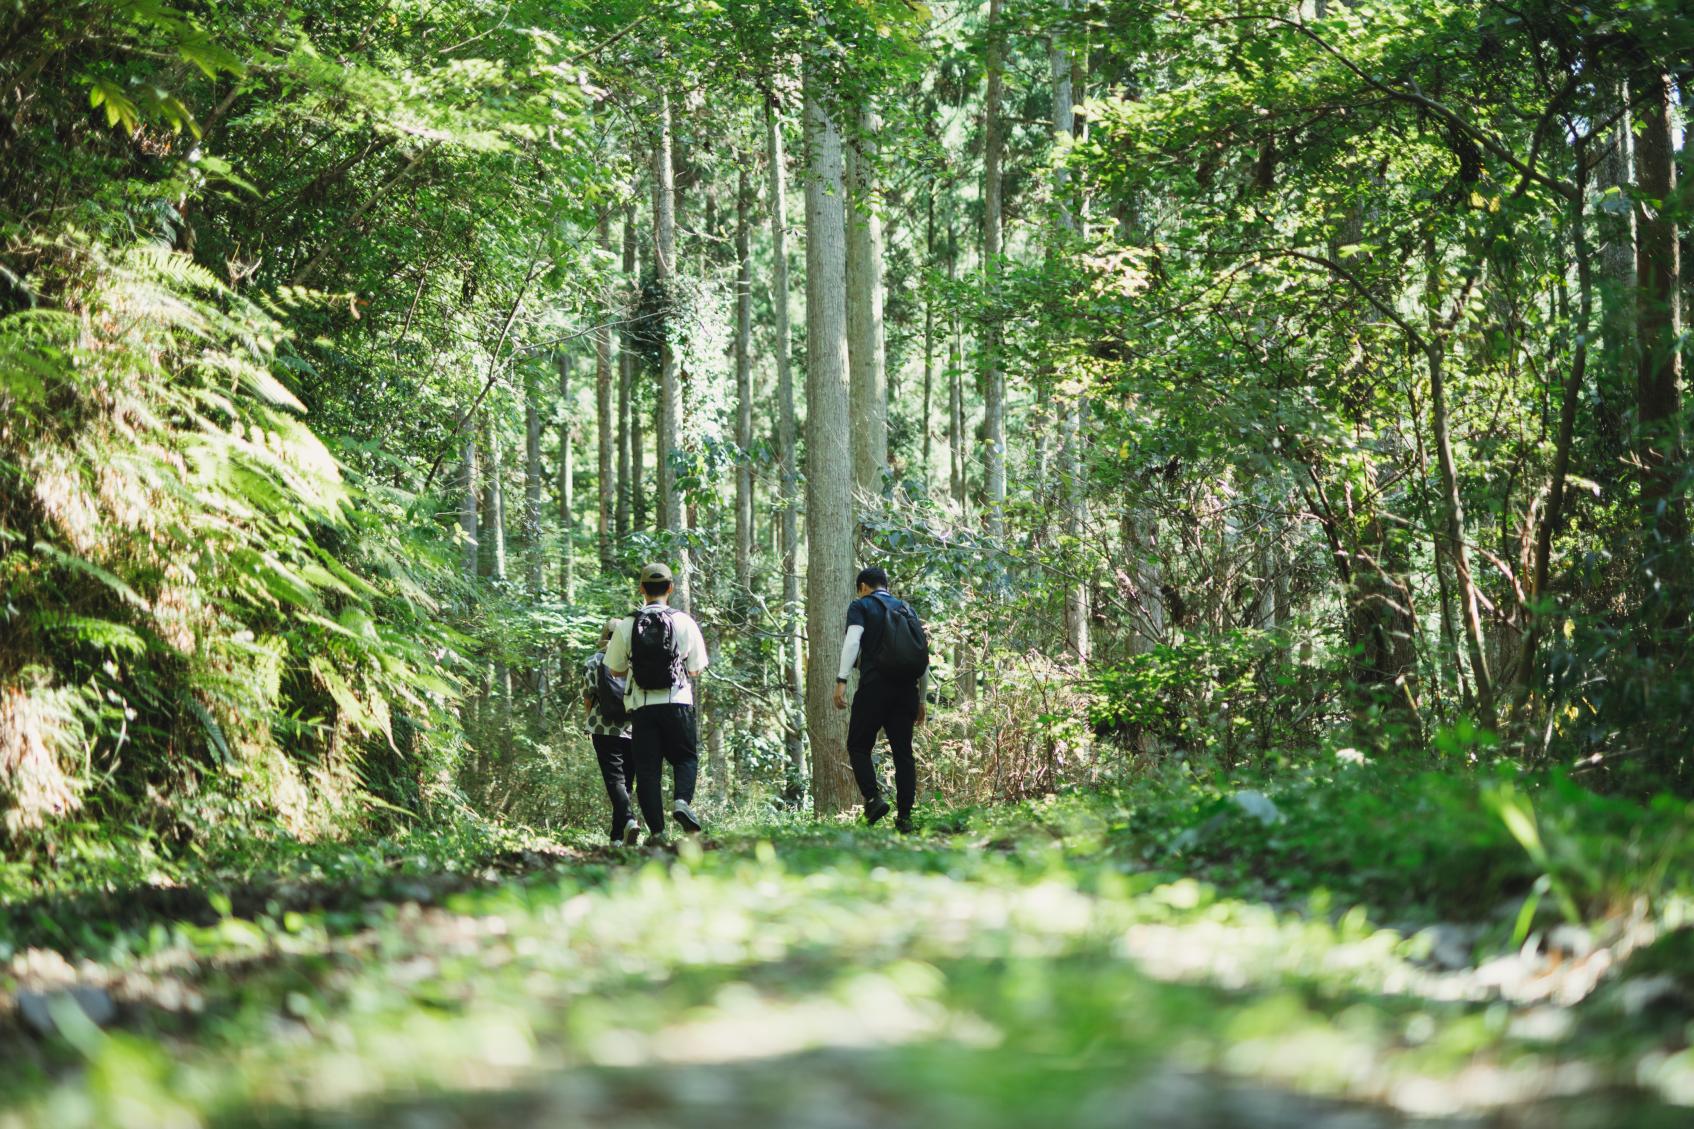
611, 747
662, 727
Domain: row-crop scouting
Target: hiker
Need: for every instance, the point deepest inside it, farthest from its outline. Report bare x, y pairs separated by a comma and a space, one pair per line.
887, 643
608, 728
661, 650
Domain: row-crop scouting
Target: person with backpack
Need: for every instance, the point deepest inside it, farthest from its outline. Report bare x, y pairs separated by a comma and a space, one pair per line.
661, 650
608, 728
886, 641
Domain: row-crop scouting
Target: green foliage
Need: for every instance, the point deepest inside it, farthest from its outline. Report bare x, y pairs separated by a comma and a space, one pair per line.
1233, 696
195, 567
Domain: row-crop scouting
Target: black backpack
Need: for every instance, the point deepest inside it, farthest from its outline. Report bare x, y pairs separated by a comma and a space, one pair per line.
903, 653
655, 659
608, 695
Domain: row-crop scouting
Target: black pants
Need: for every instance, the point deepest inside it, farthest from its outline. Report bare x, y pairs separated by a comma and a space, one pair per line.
891, 709
660, 734
617, 768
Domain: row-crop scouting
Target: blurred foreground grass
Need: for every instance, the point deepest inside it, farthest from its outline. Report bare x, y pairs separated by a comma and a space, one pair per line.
1167, 954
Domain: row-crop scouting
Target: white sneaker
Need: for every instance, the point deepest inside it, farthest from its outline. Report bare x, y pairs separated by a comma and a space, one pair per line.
684, 815
631, 833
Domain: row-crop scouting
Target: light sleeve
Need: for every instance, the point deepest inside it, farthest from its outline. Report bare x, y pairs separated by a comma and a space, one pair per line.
617, 651
697, 659
849, 651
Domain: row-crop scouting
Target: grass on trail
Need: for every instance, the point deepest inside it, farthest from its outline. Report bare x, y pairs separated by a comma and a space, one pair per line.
1077, 962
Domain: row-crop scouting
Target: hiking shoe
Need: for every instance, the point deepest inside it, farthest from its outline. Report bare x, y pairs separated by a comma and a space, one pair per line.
875, 808
684, 815
903, 824
631, 833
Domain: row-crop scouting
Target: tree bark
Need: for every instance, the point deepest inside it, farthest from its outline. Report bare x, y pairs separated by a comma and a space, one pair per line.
470, 546
1615, 375
994, 384
493, 505
670, 384
603, 406
743, 386
957, 466
865, 344
793, 734
1072, 405
829, 512
626, 371
1658, 314
532, 548
928, 332
567, 480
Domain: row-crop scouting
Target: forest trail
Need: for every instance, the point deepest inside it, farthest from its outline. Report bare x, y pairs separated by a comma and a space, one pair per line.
984, 975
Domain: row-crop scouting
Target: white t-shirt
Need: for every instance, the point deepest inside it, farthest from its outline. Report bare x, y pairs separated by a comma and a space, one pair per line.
691, 646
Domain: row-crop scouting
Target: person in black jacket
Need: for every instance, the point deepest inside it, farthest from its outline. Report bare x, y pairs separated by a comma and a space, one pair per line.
882, 703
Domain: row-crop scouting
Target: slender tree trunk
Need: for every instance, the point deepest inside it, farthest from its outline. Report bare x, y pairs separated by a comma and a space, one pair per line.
1658, 316
1072, 404
787, 429
532, 547
493, 505
928, 335
604, 407
470, 546
829, 512
638, 456
1615, 373
567, 480
670, 384
865, 345
1459, 552
958, 476
626, 372
743, 386
535, 680
994, 406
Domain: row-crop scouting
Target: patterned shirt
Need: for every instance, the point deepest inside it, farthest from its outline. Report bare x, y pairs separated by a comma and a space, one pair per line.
594, 723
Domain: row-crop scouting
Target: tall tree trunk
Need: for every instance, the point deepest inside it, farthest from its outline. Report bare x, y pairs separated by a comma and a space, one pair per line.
1615, 375
928, 334
994, 385
743, 386
670, 384
1072, 404
1454, 515
829, 501
865, 346
1659, 315
626, 370
493, 505
638, 455
958, 468
604, 407
532, 547
567, 480
470, 546
793, 733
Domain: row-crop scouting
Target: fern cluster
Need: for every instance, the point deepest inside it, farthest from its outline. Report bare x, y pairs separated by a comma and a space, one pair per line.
193, 601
